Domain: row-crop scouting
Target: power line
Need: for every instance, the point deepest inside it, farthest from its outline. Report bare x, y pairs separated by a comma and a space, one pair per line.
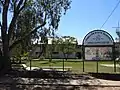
110, 14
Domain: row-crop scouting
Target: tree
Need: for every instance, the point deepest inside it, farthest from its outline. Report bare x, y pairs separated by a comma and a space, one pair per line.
53, 47
47, 14
67, 45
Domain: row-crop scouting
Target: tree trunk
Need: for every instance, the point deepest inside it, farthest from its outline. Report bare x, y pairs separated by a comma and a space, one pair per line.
65, 56
5, 64
5, 58
6, 54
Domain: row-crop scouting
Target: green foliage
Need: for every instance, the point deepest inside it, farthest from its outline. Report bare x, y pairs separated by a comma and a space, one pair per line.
29, 19
35, 13
38, 11
66, 44
19, 52
26, 54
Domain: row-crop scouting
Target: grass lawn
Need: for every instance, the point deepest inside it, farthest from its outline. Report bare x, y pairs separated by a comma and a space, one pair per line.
77, 65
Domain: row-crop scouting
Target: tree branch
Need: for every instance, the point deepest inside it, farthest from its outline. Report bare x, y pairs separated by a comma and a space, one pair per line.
28, 34
20, 9
19, 4
16, 13
0, 25
4, 18
31, 32
1, 2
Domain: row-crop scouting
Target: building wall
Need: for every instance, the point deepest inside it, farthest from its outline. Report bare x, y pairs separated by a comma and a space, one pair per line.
61, 55
117, 49
55, 53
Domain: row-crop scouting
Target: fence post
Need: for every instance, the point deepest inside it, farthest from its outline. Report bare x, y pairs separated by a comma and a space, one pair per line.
97, 66
63, 64
83, 66
114, 65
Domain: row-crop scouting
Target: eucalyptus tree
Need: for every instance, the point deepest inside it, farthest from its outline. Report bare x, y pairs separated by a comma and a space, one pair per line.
67, 45
14, 25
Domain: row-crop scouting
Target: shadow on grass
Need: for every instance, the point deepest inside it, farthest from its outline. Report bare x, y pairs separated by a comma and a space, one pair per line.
45, 62
53, 61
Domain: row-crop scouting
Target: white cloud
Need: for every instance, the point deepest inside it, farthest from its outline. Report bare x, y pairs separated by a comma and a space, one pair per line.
79, 41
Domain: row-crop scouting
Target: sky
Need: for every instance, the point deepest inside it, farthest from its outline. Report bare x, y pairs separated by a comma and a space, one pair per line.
87, 15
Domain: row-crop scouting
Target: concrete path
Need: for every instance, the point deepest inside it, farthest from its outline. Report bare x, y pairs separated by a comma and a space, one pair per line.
110, 65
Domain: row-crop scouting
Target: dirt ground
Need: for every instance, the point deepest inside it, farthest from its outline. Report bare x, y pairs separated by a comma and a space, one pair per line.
114, 85
67, 83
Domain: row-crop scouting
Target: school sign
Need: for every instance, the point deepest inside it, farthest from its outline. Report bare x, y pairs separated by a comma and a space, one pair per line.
98, 44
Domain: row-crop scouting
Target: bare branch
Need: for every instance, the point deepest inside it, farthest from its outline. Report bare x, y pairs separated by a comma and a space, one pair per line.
19, 4
0, 25
28, 34
16, 13
23, 5
1, 1
4, 17
14, 4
